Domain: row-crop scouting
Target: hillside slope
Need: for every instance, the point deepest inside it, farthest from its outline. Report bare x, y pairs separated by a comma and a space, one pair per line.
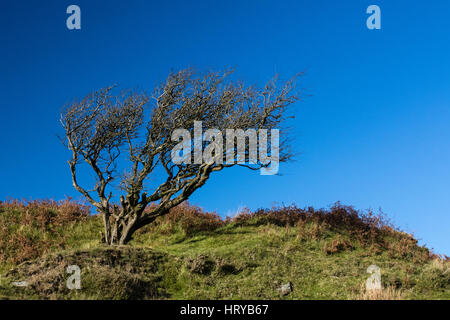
190, 254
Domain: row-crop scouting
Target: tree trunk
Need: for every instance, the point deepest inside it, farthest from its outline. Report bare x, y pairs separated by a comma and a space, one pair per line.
107, 226
121, 229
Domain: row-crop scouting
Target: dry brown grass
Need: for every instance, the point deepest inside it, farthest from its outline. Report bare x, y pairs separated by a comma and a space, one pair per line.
190, 218
389, 293
29, 229
368, 229
337, 244
118, 273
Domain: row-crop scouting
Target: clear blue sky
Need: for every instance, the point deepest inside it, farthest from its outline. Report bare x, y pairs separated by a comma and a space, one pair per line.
375, 132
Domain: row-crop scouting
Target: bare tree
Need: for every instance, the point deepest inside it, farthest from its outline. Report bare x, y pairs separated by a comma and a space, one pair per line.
105, 129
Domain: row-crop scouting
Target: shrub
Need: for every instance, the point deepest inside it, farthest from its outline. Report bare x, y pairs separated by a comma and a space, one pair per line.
29, 229
191, 219
336, 245
200, 265
367, 228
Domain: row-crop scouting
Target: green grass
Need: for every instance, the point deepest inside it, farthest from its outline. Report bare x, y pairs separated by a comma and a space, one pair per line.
235, 261
267, 256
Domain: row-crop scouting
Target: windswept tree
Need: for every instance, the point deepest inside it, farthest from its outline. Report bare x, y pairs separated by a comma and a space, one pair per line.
107, 129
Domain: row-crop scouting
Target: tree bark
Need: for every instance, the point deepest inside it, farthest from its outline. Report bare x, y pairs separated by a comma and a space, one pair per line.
107, 226
121, 231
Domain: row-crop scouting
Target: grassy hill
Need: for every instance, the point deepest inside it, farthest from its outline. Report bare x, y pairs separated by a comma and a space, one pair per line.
191, 254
